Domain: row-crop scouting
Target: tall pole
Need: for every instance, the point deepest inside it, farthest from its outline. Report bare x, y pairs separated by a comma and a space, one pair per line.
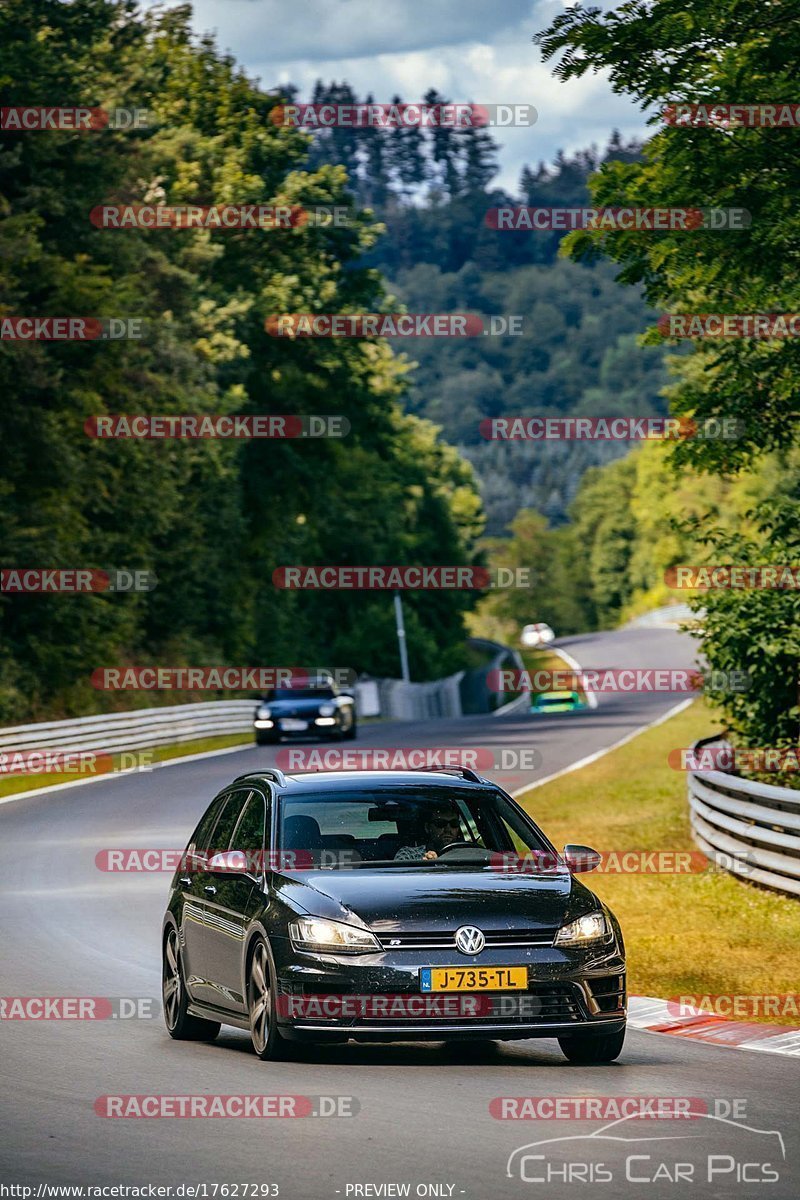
401, 636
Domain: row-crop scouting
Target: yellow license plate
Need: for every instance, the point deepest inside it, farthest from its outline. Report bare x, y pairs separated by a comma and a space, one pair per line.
473, 979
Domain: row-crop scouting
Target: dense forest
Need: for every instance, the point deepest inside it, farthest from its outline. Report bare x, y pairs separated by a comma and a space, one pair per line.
211, 519
579, 353
413, 481
718, 501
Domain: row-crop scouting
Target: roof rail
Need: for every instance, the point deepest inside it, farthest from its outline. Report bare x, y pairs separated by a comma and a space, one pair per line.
465, 772
272, 773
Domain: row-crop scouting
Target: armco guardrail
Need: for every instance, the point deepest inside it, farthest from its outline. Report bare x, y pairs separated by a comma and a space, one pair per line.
403, 701
132, 730
464, 692
168, 725
669, 616
751, 829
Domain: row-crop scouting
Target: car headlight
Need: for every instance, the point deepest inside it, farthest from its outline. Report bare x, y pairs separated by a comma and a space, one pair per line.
263, 711
331, 937
327, 710
593, 927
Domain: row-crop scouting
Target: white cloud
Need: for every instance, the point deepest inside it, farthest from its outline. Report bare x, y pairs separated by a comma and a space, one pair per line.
466, 49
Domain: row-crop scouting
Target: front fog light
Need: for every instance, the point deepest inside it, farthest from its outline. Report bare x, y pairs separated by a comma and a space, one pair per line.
331, 937
592, 927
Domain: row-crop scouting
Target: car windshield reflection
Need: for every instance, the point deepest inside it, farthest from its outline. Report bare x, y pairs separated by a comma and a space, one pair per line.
363, 828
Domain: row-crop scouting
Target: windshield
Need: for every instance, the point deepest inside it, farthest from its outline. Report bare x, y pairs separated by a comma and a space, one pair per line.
398, 827
301, 693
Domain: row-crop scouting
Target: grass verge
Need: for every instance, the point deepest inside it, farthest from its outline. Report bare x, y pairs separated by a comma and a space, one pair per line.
706, 934
11, 785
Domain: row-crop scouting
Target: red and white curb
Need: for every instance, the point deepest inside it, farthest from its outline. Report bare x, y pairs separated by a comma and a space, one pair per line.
657, 1016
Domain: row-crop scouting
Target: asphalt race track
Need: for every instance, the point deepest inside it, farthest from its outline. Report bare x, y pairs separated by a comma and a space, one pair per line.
423, 1117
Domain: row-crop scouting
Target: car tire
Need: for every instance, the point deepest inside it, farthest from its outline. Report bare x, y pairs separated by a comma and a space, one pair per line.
175, 999
268, 1043
266, 739
592, 1048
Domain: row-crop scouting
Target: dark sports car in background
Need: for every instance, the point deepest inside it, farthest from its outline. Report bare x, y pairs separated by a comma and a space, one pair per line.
387, 905
319, 710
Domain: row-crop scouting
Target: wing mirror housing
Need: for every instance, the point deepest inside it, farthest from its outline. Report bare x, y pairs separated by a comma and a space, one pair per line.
580, 859
230, 862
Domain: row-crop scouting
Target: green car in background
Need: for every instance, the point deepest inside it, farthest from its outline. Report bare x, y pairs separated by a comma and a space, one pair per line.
555, 702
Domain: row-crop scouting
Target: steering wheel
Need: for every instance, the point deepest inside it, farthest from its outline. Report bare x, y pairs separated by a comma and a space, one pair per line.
455, 845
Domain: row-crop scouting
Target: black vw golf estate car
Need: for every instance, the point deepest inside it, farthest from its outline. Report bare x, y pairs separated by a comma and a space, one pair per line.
387, 905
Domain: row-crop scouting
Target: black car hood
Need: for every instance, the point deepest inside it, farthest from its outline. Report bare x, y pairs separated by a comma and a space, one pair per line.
438, 898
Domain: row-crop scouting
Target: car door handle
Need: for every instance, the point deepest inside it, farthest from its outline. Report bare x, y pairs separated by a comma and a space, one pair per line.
185, 881
212, 891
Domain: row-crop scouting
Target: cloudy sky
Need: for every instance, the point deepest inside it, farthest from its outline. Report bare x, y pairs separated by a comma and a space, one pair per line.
478, 50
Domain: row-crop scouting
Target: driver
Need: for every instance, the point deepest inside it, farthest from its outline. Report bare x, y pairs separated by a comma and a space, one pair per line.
441, 826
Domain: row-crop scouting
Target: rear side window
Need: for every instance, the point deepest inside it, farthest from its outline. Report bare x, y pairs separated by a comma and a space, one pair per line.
249, 833
200, 838
224, 828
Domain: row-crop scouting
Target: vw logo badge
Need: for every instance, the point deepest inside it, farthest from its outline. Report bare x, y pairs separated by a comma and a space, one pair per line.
469, 940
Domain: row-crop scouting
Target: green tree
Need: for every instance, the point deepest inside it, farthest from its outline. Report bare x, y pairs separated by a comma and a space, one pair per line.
211, 519
703, 53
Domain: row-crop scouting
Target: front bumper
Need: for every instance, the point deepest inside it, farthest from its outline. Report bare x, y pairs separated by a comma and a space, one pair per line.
378, 996
316, 726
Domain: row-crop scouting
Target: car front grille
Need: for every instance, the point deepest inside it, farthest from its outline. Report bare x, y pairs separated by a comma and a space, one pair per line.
540, 1004
557, 1002
607, 992
446, 940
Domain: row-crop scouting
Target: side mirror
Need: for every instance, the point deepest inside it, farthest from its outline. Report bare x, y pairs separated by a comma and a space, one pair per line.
230, 862
581, 858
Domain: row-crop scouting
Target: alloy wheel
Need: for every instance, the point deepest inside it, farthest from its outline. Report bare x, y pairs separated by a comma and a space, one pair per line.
260, 997
171, 980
